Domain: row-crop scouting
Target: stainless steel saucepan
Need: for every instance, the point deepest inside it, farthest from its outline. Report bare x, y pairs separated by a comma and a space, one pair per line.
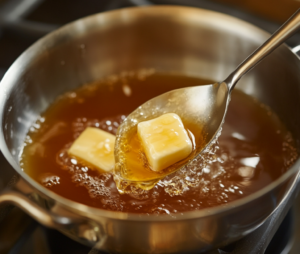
186, 40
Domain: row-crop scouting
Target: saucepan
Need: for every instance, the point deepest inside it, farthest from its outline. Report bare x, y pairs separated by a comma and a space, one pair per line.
170, 39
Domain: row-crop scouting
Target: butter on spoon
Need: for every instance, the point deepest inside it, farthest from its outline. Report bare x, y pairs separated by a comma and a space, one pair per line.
164, 140
205, 106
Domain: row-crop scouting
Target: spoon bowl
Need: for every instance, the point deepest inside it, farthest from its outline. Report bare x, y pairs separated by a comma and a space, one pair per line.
189, 103
204, 105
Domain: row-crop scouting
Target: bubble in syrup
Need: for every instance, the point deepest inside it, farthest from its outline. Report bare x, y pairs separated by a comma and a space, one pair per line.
50, 181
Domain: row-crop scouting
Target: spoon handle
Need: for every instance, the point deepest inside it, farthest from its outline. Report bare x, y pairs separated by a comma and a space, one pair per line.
284, 32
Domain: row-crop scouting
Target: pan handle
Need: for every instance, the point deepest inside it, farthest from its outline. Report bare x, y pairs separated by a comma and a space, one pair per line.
17, 195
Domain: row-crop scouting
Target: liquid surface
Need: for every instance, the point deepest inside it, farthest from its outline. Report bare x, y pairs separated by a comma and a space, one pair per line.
253, 150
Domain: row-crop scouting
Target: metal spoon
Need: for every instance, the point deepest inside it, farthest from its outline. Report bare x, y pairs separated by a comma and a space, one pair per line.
205, 105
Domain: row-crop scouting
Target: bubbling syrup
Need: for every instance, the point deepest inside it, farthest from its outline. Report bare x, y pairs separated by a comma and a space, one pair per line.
132, 167
254, 149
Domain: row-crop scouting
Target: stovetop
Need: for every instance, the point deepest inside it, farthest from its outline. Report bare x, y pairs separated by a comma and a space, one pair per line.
24, 21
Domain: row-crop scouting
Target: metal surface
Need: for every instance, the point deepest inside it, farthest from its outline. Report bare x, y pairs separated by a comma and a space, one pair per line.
282, 34
38, 239
186, 40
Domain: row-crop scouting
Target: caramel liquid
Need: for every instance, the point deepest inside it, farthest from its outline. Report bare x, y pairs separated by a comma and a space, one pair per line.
253, 150
136, 163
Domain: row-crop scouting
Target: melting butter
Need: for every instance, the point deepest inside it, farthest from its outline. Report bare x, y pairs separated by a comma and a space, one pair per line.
95, 147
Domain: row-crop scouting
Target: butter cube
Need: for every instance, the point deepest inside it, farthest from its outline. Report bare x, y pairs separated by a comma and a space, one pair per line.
164, 140
95, 147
